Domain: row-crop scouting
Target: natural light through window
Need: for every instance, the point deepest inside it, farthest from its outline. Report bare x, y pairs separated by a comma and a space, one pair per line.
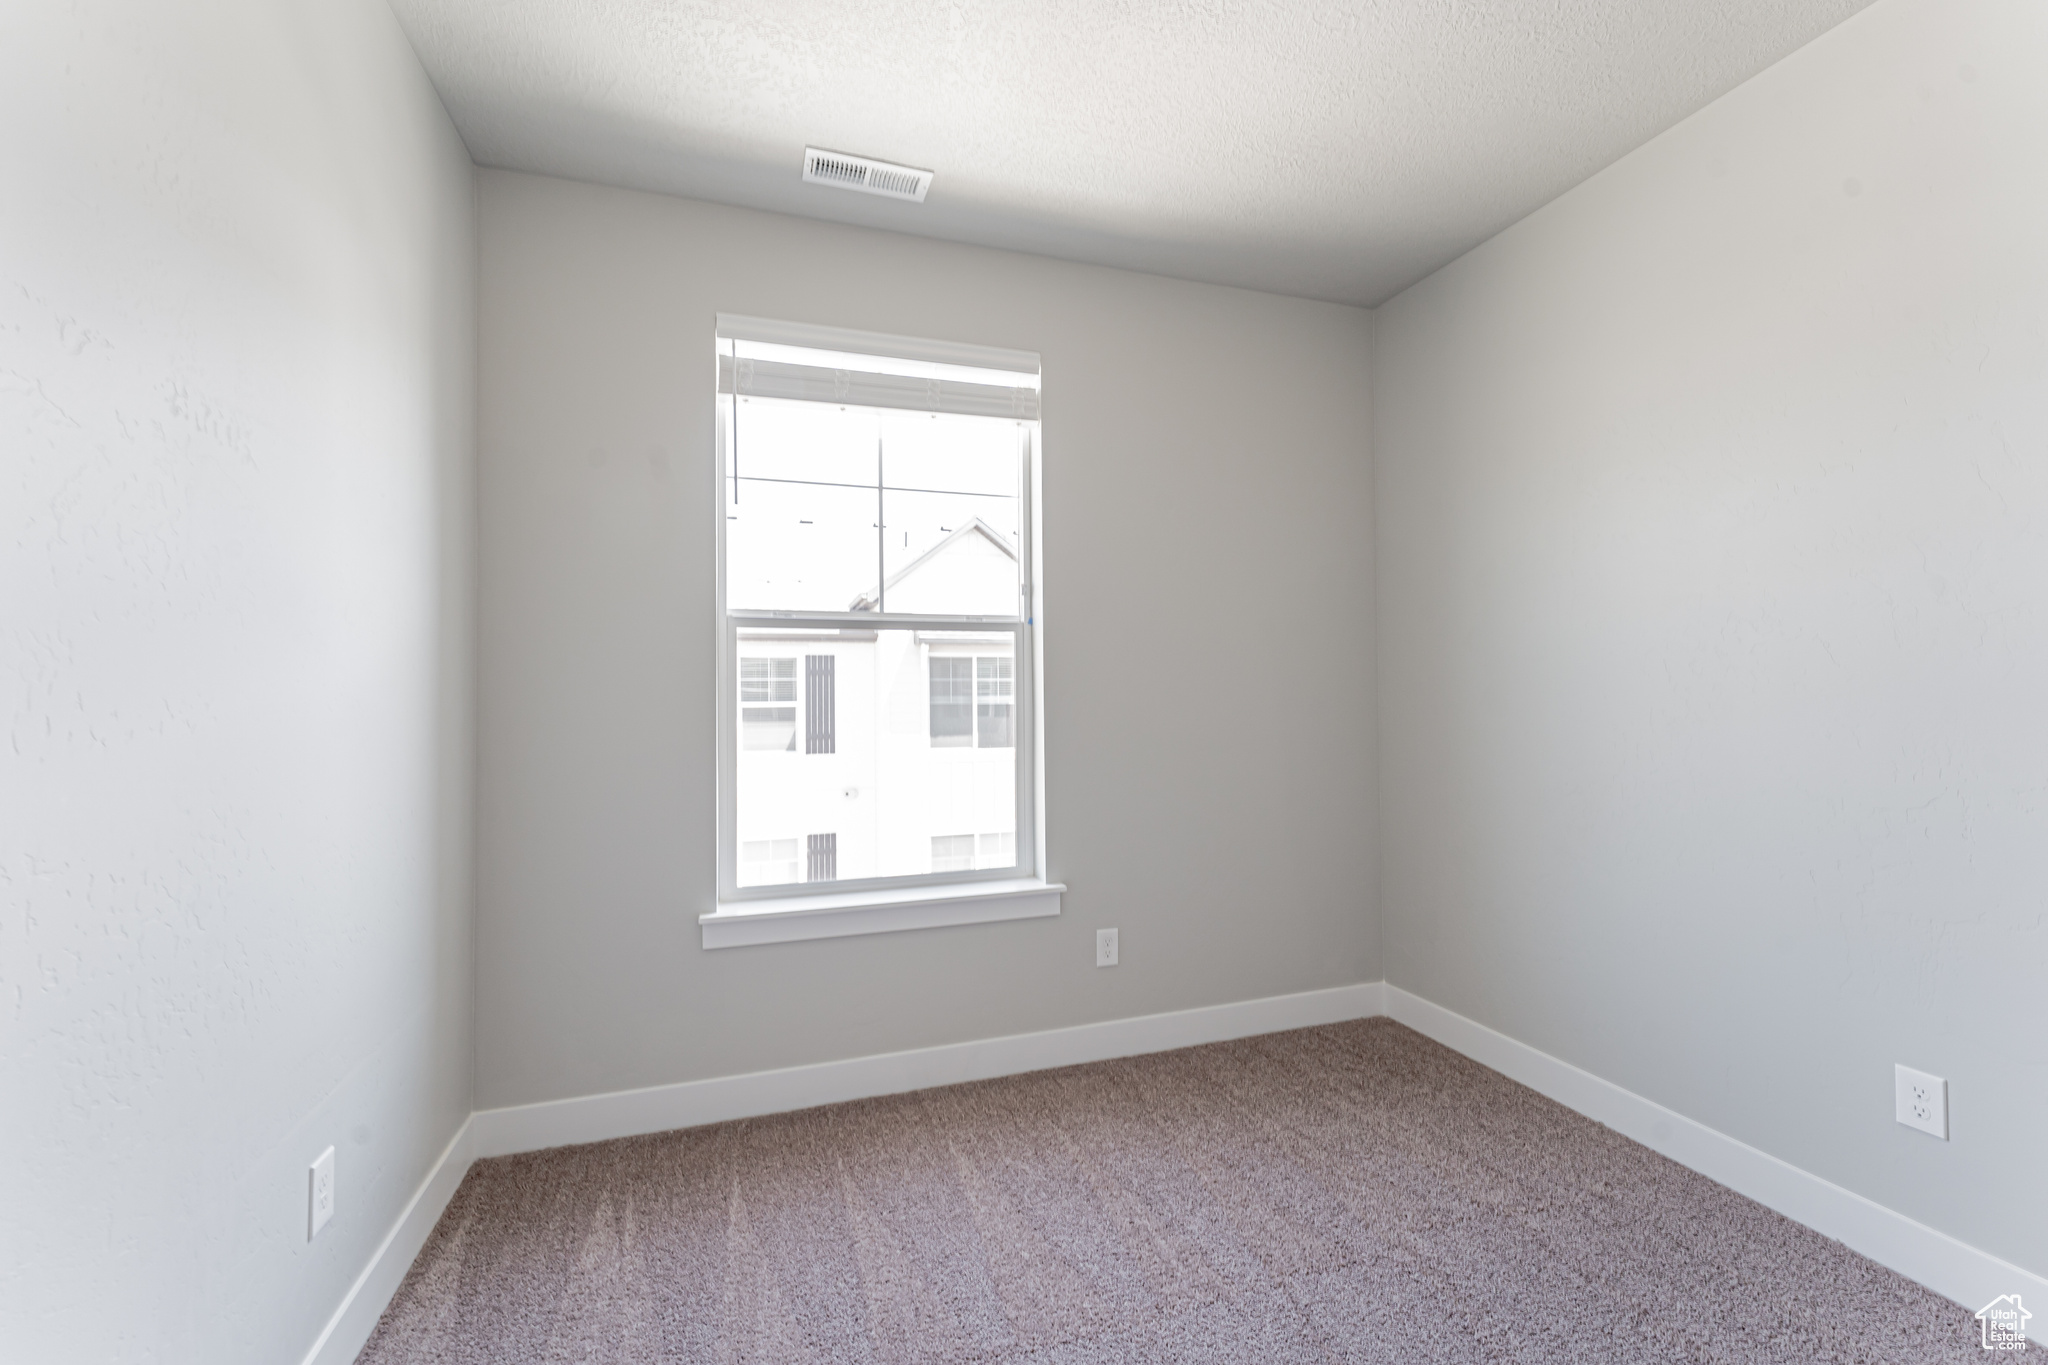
876, 559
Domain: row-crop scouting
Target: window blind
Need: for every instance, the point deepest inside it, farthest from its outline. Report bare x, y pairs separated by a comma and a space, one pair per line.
766, 359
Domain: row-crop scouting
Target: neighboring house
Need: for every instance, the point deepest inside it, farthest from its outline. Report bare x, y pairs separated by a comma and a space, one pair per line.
2005, 1323
880, 753
962, 575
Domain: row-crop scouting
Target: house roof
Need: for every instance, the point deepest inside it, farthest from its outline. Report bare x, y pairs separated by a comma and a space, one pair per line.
868, 601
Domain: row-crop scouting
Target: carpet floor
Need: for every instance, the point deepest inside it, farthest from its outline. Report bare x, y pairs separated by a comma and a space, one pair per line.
1343, 1194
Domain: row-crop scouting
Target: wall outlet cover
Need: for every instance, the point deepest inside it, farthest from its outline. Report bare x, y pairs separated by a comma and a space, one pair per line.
1105, 947
1920, 1101
319, 1193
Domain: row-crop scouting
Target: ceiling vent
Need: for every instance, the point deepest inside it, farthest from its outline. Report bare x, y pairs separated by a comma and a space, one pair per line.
865, 174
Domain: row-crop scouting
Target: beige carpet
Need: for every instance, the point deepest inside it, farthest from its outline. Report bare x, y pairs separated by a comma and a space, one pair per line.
1340, 1194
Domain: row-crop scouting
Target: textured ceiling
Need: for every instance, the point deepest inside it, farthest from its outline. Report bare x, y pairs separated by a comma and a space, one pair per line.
1335, 151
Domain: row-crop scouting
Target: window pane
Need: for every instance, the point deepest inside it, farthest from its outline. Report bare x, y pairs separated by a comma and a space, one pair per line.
802, 508
873, 802
992, 717
992, 723
952, 701
951, 526
952, 852
766, 862
768, 679
997, 850
768, 727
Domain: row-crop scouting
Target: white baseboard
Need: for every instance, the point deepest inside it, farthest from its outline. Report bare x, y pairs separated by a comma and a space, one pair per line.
624, 1113
367, 1298
1950, 1268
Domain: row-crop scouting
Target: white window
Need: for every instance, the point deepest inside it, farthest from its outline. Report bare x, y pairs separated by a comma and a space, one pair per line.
768, 726
877, 634
952, 703
767, 861
993, 687
952, 853
972, 698
965, 852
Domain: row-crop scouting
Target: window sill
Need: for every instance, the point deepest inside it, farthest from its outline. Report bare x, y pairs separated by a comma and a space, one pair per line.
738, 924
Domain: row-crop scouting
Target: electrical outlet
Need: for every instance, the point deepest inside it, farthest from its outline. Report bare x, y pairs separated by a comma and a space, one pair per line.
1921, 1101
319, 1194
1105, 947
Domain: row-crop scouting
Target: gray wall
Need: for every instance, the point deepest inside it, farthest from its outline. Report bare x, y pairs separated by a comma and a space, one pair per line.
237, 352
1208, 645
1713, 573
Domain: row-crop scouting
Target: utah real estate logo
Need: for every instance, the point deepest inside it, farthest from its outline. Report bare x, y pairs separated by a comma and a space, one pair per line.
2005, 1324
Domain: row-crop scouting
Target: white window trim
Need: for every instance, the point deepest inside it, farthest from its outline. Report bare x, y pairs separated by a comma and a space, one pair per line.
758, 916
838, 914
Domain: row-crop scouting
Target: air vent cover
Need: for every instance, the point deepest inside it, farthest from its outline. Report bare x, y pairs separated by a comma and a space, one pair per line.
865, 174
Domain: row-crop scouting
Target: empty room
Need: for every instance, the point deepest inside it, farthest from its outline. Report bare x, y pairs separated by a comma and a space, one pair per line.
1113, 684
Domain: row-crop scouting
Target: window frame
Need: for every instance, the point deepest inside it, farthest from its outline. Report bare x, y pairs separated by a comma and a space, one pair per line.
1026, 629
795, 703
